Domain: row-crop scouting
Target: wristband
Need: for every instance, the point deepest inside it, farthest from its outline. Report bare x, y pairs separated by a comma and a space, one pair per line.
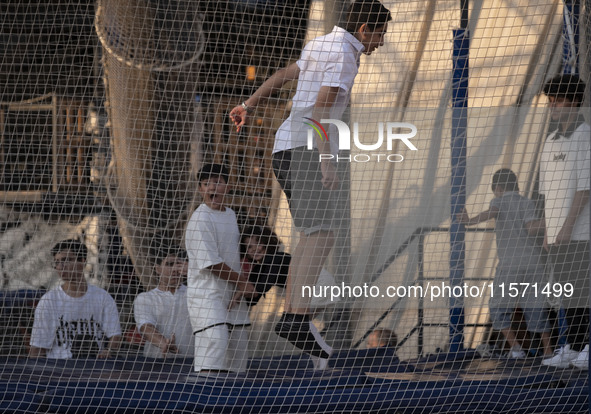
249, 109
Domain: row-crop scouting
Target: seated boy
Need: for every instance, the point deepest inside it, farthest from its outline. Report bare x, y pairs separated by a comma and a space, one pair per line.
161, 315
76, 319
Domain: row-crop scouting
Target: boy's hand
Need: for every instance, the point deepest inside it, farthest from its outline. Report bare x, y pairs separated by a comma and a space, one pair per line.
168, 346
111, 349
104, 354
565, 234
238, 115
243, 289
463, 217
545, 243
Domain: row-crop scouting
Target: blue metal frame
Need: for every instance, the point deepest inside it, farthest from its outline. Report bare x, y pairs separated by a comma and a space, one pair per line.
461, 47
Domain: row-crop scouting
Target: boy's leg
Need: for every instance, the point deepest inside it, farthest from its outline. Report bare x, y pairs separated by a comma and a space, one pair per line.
306, 264
534, 306
311, 206
281, 166
237, 355
571, 265
305, 267
501, 317
511, 338
538, 322
546, 343
211, 346
301, 332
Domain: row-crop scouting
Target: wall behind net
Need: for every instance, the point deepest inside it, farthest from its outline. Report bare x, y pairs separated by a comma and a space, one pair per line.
108, 110
508, 64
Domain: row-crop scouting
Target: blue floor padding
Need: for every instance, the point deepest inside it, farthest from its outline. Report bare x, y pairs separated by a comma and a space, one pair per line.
357, 381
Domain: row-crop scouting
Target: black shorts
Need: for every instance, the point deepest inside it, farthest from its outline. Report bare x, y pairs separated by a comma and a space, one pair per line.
299, 174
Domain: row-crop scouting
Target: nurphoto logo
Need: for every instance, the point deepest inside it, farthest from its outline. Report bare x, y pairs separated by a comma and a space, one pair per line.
388, 131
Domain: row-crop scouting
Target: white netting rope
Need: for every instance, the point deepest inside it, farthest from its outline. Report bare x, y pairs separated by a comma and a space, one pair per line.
160, 36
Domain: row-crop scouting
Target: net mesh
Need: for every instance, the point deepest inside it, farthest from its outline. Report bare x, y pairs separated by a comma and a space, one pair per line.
434, 285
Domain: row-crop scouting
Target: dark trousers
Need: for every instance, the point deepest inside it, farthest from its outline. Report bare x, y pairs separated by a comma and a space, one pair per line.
571, 265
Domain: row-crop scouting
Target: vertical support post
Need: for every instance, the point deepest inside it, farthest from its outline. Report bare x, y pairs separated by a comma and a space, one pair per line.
54, 144
587, 101
570, 36
570, 65
2, 155
420, 282
461, 47
69, 144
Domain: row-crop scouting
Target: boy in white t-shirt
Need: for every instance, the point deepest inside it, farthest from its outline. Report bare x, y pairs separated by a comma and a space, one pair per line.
216, 287
565, 182
161, 315
74, 320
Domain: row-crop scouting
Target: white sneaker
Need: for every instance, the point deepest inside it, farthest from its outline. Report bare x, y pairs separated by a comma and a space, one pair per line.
320, 364
517, 354
562, 358
582, 360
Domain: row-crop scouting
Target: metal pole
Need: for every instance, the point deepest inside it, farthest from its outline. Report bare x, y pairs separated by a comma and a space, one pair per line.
570, 36
587, 102
420, 282
461, 47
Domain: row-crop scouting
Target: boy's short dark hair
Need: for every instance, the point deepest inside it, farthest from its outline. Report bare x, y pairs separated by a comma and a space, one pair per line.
370, 12
212, 170
506, 179
73, 245
161, 251
266, 237
566, 86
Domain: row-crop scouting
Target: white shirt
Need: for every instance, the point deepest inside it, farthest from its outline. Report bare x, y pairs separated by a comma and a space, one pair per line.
564, 170
330, 60
168, 313
212, 237
60, 319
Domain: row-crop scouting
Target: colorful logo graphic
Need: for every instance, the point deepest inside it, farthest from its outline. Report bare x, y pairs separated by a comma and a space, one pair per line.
388, 133
317, 126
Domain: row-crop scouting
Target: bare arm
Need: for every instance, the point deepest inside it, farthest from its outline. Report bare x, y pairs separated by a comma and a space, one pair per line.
243, 286
464, 218
268, 88
326, 98
152, 335
535, 227
112, 347
579, 201
35, 352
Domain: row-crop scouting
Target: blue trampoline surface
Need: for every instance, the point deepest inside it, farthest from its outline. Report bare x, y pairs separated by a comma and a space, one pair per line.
357, 381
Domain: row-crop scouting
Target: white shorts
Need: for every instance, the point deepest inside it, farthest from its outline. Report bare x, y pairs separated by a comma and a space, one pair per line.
222, 347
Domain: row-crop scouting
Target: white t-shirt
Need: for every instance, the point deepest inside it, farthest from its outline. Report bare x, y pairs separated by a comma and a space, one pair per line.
169, 315
61, 320
564, 170
330, 60
212, 237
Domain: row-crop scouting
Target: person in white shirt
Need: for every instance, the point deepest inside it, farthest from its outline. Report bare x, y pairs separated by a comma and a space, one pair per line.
325, 73
216, 286
564, 183
76, 319
161, 315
